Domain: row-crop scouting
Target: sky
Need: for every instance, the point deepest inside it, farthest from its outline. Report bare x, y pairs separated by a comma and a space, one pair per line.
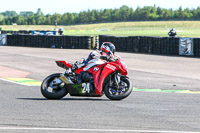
63, 6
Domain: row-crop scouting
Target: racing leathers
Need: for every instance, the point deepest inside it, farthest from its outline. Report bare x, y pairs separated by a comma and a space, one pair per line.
94, 58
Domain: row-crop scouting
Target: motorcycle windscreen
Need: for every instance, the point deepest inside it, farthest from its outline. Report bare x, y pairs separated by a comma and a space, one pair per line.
83, 89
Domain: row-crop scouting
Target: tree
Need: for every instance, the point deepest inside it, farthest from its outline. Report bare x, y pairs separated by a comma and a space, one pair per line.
159, 11
92, 16
187, 13
2, 20
197, 13
105, 15
56, 17
115, 15
10, 13
70, 18
124, 13
48, 19
131, 14
20, 20
165, 14
143, 13
39, 12
83, 17
26, 14
153, 13
1, 17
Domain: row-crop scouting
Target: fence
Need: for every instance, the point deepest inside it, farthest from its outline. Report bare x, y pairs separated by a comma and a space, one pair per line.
155, 45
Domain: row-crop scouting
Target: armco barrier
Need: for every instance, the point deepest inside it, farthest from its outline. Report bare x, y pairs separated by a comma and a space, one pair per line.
43, 41
150, 45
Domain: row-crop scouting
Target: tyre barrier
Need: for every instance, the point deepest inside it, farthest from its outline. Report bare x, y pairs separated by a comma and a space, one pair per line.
28, 32
44, 41
134, 44
15, 32
154, 45
196, 47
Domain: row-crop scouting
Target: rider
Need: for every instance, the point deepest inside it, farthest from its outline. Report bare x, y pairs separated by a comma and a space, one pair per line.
172, 33
107, 54
60, 31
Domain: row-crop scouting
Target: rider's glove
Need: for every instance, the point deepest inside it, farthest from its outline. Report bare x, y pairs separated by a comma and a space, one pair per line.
74, 67
81, 61
111, 59
104, 57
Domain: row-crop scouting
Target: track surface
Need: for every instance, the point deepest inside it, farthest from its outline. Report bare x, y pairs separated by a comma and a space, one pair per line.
24, 109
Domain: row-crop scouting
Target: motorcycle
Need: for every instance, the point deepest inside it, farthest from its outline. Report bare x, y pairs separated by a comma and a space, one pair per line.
109, 78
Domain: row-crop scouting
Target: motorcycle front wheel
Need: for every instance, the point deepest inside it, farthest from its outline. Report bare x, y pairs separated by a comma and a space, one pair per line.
53, 88
123, 90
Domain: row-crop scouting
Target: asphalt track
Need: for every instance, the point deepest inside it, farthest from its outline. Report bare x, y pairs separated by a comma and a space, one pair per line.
165, 98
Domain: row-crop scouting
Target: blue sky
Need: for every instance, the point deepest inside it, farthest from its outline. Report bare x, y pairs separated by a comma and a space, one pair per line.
62, 6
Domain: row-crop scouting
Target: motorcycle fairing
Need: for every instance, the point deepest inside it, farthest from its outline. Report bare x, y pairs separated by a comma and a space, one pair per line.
83, 89
64, 64
92, 63
100, 75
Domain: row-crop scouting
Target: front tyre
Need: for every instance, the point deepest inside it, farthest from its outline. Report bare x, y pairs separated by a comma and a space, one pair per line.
53, 88
123, 90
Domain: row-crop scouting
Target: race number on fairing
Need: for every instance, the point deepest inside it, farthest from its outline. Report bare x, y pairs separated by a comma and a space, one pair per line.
86, 87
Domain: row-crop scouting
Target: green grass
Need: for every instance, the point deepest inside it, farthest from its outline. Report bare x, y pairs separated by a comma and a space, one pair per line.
147, 28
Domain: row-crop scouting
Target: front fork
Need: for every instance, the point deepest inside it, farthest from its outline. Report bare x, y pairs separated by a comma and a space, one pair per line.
115, 80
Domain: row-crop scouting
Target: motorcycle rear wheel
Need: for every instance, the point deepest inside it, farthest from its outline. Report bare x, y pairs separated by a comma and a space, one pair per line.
55, 92
120, 93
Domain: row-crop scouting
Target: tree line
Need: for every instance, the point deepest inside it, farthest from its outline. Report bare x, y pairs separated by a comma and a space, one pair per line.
124, 13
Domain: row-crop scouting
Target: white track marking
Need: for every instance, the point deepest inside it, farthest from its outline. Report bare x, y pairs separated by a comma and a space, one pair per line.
90, 130
14, 82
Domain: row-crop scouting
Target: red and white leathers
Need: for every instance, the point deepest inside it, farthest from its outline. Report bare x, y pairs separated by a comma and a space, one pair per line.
93, 59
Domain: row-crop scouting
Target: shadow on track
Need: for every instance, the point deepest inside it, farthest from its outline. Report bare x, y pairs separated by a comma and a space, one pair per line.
67, 99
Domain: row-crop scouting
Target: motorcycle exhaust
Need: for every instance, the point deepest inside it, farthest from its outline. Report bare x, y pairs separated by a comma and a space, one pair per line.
65, 79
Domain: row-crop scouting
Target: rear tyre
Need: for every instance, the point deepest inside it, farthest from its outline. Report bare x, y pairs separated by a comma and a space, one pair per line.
123, 91
53, 92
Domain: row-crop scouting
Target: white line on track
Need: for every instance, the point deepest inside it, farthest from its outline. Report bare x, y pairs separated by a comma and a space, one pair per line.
14, 82
89, 130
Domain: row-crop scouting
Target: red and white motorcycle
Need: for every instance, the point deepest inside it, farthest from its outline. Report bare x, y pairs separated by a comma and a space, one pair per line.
109, 78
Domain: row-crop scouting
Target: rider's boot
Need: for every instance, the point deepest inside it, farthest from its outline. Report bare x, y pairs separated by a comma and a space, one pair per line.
71, 71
